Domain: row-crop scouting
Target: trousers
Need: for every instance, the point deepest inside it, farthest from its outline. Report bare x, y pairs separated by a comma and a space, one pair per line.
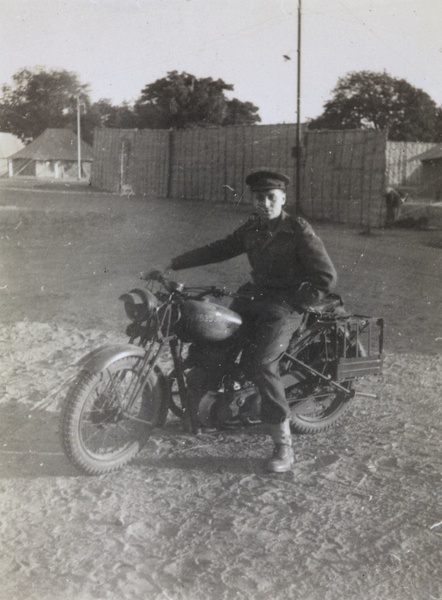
268, 326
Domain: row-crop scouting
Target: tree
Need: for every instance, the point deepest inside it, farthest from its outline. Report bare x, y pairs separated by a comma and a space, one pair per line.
181, 100
240, 113
438, 135
104, 114
39, 99
369, 100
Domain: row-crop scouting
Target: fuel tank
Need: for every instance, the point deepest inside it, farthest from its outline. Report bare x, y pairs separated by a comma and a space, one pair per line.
204, 321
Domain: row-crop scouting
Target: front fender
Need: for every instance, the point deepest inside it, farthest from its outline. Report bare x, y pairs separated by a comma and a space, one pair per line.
101, 358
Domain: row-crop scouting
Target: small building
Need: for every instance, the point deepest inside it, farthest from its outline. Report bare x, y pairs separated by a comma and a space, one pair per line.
431, 187
9, 144
53, 155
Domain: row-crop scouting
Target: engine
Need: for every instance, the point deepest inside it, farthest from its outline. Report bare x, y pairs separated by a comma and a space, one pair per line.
220, 400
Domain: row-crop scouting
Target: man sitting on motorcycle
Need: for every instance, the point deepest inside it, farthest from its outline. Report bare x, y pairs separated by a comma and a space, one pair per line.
290, 271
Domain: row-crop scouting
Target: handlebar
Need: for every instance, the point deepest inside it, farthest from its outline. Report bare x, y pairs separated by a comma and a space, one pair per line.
153, 275
196, 292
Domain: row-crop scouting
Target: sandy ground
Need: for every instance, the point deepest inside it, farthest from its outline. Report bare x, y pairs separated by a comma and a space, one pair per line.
198, 518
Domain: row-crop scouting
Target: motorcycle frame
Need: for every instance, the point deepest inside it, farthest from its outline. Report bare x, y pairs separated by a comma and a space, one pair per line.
155, 346
343, 367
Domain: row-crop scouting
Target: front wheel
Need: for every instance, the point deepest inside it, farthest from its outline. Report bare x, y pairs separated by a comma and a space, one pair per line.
108, 416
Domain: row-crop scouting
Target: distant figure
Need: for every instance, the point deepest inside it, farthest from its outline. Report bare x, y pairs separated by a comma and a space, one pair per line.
394, 201
126, 190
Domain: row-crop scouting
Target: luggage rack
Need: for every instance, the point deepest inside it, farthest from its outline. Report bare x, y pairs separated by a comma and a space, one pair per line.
365, 342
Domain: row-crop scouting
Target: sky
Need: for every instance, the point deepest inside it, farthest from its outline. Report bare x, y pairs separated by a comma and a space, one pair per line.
119, 46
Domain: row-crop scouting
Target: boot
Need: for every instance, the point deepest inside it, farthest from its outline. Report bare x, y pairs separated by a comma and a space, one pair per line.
282, 459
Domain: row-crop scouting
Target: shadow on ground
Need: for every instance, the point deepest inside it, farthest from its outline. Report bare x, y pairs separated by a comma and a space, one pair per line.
30, 444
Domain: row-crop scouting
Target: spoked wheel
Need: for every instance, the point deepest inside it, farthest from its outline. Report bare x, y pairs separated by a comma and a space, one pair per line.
174, 398
107, 416
315, 404
319, 410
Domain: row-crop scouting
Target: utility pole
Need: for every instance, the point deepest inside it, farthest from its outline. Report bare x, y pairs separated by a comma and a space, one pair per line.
78, 138
298, 120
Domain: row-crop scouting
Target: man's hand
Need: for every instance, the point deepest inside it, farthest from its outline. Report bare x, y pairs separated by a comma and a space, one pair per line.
156, 274
307, 295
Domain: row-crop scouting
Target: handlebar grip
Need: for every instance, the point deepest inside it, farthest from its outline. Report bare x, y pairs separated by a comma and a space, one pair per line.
155, 275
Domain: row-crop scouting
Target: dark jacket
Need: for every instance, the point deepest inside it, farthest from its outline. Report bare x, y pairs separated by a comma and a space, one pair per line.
393, 199
289, 263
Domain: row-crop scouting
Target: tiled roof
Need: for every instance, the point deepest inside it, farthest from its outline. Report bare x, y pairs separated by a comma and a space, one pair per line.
431, 154
55, 144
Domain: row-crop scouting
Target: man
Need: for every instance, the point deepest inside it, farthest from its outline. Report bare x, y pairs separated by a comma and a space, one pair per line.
290, 270
394, 201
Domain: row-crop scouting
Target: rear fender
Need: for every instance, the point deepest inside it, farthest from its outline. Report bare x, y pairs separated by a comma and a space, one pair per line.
101, 358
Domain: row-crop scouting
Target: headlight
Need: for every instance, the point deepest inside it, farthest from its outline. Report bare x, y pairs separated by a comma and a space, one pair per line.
139, 305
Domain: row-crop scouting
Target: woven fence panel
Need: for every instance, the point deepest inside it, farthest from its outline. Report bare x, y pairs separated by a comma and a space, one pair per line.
212, 164
107, 158
181, 154
343, 172
271, 147
149, 172
344, 176
209, 164
132, 159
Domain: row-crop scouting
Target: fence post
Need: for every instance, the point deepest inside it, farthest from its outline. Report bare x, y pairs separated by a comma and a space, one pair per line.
170, 153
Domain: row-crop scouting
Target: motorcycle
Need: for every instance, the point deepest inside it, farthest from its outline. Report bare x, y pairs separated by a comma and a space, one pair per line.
123, 392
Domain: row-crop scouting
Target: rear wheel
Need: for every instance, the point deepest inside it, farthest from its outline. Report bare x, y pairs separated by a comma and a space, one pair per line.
315, 404
319, 410
105, 420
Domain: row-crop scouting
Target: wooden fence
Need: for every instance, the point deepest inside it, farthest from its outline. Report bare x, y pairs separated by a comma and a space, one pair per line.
343, 176
207, 164
212, 164
136, 159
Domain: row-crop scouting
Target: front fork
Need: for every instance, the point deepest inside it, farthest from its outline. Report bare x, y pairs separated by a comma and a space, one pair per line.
190, 416
147, 365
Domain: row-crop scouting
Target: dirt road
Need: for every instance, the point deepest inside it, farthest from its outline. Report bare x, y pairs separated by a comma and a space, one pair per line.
360, 516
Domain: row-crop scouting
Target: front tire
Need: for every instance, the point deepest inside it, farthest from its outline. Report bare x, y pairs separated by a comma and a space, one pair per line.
103, 426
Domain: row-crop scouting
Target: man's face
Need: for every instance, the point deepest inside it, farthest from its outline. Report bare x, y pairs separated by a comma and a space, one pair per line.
269, 203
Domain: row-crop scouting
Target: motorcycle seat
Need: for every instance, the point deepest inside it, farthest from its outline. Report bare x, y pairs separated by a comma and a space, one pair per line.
332, 303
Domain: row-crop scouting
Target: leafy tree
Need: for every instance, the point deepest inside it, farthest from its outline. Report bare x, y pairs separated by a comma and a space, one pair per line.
104, 114
240, 113
369, 100
181, 100
438, 134
39, 99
